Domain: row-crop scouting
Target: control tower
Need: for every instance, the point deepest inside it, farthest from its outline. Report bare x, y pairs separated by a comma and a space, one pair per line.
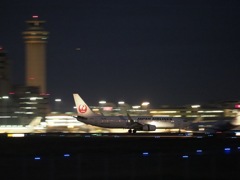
35, 45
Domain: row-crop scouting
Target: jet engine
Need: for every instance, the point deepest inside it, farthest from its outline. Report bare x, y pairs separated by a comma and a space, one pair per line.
148, 127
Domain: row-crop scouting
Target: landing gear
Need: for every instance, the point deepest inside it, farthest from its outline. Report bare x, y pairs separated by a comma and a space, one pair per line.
132, 131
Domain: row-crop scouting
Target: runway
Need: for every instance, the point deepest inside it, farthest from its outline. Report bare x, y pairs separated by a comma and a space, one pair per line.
120, 156
113, 142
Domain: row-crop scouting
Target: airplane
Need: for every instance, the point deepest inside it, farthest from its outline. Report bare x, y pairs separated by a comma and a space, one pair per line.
133, 124
31, 127
219, 125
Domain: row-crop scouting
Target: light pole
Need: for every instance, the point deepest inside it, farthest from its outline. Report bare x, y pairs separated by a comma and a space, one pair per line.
122, 107
145, 106
57, 104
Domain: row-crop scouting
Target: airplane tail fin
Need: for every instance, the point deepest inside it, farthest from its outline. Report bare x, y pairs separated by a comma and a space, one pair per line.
236, 120
82, 108
36, 121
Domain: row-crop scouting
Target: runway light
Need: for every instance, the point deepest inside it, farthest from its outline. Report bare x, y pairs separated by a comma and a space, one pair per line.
199, 151
185, 156
145, 153
66, 155
227, 150
37, 158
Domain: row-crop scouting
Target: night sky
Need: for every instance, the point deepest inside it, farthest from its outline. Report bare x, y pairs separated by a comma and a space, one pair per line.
167, 52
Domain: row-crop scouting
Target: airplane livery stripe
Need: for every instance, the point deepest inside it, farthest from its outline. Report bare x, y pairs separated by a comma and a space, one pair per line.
154, 118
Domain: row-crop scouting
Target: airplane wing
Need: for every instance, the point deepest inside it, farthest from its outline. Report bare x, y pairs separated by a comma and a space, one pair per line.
138, 126
135, 125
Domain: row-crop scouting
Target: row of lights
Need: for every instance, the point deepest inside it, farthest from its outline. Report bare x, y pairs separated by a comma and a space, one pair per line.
122, 102
103, 102
227, 150
39, 157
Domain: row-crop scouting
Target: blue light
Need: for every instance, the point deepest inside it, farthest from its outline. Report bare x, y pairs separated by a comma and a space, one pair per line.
238, 148
227, 150
66, 155
185, 156
37, 158
145, 153
199, 151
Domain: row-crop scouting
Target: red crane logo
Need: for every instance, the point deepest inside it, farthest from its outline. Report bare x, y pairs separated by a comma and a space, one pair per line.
82, 108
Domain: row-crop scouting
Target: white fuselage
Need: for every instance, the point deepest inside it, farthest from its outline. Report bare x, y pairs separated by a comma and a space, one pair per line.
124, 122
133, 124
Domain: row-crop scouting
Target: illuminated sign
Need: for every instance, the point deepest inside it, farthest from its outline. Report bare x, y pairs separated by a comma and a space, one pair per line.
237, 106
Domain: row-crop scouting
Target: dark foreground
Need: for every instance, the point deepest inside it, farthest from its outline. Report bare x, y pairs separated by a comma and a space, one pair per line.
101, 156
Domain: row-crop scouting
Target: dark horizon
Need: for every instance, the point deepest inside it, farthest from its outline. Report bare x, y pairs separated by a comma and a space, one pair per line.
167, 53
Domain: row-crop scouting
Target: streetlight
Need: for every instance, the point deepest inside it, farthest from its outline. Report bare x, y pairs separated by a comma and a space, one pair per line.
145, 104
121, 102
145, 107
196, 106
102, 102
57, 104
